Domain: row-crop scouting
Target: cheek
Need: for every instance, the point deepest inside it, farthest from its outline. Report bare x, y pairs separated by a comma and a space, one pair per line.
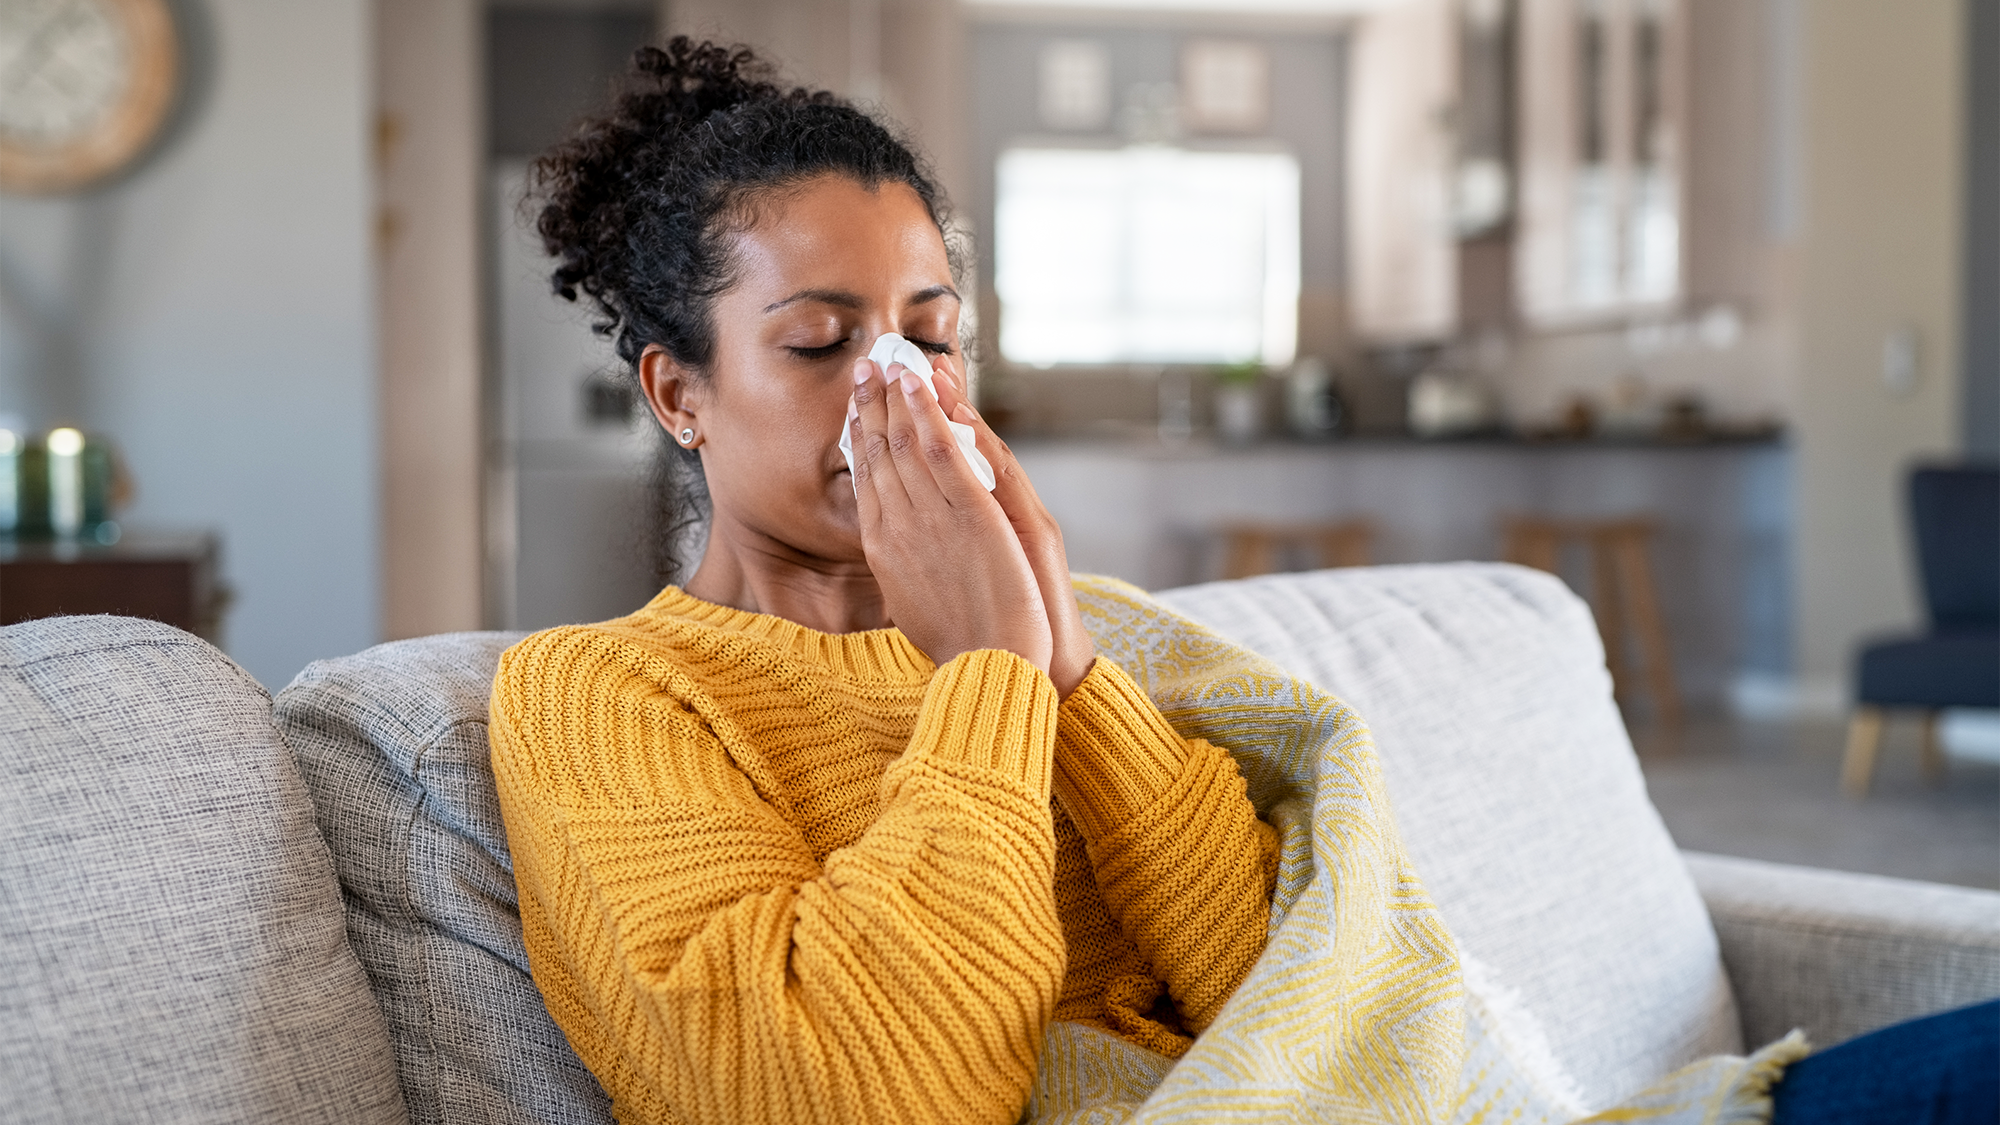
809, 418
791, 423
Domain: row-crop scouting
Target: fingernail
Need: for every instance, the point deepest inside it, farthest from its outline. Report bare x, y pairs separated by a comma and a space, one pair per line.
963, 413
910, 382
863, 368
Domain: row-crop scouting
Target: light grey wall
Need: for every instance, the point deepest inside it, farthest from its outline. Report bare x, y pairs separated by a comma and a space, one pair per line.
212, 314
1981, 323
1878, 251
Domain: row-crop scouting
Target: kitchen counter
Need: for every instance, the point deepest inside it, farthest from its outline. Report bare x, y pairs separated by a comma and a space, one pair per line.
1151, 513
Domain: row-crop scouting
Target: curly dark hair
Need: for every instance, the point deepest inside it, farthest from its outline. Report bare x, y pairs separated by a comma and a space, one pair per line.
640, 204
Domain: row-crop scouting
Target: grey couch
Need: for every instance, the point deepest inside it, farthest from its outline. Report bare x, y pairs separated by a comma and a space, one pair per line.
219, 907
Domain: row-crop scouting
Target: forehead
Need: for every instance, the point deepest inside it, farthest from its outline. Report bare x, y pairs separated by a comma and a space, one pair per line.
833, 228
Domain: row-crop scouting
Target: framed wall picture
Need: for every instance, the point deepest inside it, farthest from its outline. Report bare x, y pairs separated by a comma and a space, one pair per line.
1225, 86
1074, 86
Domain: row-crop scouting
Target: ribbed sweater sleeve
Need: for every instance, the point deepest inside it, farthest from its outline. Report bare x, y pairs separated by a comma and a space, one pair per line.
1182, 860
709, 969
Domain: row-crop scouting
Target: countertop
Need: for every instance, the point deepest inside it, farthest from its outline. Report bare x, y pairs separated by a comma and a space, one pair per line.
1144, 441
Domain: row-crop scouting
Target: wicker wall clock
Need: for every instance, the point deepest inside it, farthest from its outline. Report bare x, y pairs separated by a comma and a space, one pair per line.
85, 86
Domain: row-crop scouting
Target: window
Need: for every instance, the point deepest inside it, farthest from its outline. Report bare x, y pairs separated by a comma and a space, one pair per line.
1147, 255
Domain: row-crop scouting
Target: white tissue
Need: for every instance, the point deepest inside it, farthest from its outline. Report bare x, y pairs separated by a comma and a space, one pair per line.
891, 348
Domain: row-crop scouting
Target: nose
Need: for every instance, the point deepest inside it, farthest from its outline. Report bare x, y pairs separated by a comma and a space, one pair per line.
873, 328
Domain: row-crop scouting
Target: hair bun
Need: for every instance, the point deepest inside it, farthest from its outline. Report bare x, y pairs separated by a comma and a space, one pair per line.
685, 81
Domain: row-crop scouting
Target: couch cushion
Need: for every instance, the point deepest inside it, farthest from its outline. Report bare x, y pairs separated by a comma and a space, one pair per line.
392, 742
171, 945
1518, 795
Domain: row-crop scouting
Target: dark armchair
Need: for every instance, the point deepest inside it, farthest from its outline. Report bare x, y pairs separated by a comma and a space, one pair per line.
1955, 513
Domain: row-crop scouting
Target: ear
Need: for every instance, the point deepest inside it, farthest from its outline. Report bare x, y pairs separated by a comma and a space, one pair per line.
672, 394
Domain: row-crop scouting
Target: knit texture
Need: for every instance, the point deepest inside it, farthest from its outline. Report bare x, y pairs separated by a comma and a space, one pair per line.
769, 874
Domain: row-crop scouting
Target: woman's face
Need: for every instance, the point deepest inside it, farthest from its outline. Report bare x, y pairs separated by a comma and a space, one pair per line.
824, 270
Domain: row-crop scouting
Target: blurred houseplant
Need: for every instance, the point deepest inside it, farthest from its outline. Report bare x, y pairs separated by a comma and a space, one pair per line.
1239, 403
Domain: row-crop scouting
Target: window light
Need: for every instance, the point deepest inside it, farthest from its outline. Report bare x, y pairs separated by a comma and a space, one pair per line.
1147, 255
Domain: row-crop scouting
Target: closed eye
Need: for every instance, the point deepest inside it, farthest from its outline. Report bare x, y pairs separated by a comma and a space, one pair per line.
930, 346
820, 352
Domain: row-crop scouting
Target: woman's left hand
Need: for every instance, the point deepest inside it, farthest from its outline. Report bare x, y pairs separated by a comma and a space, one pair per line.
1041, 539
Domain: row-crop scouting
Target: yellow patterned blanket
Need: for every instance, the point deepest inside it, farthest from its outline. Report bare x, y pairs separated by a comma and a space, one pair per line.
1359, 1010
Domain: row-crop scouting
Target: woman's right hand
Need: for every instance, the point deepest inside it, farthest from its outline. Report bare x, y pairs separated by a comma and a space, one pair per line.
953, 575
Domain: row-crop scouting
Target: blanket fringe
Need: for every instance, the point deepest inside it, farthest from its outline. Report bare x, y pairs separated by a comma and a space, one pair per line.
1750, 1102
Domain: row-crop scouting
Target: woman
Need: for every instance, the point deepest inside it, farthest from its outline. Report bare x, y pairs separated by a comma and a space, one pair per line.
855, 823
816, 836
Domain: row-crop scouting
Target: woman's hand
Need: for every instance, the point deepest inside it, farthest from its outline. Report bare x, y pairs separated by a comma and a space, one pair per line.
1041, 540
953, 574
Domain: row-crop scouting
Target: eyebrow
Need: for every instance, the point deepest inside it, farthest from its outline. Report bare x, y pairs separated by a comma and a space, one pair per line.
843, 299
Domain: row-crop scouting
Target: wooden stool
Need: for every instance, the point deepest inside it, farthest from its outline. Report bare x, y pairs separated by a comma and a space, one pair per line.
1254, 547
1621, 588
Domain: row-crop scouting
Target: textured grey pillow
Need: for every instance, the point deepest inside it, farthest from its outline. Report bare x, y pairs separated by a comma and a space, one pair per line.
392, 742
171, 946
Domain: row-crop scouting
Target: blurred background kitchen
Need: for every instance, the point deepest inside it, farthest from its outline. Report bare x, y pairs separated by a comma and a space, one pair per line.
1668, 296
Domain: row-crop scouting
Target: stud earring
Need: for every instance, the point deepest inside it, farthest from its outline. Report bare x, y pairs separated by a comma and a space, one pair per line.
687, 435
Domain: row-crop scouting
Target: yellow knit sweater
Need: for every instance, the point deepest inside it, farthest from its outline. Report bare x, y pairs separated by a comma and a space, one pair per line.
769, 874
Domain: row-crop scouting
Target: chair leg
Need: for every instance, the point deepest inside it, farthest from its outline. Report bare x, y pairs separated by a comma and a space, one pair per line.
1933, 754
1345, 544
1532, 543
1864, 739
1635, 574
1251, 552
1361, 545
1608, 603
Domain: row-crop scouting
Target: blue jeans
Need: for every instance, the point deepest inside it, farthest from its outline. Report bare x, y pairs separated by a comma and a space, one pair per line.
1940, 1070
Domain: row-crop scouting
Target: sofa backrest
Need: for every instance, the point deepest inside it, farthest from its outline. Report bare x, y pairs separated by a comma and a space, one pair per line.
1515, 788
171, 942
1517, 794
392, 743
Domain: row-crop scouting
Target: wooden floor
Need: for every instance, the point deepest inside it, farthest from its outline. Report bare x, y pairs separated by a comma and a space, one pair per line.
1771, 790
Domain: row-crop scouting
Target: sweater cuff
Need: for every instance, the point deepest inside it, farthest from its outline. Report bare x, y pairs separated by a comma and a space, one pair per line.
1117, 754
993, 710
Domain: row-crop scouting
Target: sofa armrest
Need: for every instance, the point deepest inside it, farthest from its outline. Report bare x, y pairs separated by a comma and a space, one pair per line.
1840, 954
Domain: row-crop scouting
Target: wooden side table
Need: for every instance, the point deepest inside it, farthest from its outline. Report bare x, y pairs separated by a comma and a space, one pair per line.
168, 577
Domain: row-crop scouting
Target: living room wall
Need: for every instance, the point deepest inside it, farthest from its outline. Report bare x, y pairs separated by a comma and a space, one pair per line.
1980, 410
1878, 251
212, 314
